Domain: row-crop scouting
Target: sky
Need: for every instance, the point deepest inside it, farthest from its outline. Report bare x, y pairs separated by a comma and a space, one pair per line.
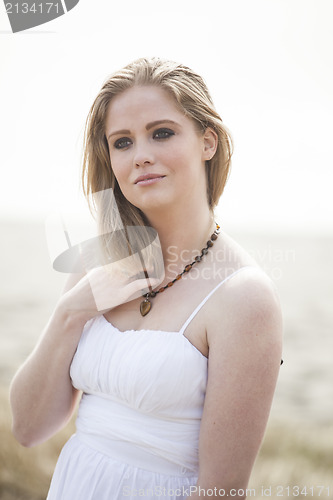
267, 63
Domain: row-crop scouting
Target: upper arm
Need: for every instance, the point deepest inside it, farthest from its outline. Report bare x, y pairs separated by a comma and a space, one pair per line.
71, 281
244, 333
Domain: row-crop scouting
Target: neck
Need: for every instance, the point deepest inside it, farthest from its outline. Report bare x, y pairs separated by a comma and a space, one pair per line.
182, 235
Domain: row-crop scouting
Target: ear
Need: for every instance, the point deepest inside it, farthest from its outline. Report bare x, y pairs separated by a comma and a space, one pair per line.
210, 142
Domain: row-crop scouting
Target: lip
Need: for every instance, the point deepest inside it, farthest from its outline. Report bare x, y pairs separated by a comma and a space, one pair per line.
148, 179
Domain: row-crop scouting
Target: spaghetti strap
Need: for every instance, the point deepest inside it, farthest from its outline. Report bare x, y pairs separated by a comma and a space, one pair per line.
197, 309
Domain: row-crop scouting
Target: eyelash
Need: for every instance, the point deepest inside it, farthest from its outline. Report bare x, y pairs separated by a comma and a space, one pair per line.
126, 141
118, 143
163, 131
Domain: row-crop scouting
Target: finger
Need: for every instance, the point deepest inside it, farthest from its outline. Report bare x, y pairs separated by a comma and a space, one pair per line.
141, 286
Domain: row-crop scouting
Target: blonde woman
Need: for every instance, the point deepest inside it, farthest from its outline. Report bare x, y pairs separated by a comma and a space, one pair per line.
175, 386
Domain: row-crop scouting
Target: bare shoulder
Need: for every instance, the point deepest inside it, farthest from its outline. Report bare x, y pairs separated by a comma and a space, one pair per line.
244, 333
249, 290
246, 296
246, 305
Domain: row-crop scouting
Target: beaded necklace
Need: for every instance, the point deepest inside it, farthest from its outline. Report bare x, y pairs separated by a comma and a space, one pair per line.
146, 305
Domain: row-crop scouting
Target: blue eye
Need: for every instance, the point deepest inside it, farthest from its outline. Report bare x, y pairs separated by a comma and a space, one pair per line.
163, 133
122, 143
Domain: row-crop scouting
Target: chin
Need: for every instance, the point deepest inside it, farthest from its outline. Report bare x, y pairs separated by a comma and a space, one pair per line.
154, 207
148, 207
152, 201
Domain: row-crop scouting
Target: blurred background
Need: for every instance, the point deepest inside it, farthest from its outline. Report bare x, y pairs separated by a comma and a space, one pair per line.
268, 65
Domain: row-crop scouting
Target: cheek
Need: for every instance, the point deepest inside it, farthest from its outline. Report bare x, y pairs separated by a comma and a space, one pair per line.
185, 160
119, 168
176, 157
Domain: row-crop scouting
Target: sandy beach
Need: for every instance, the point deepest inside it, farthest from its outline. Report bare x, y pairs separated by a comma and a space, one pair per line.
298, 446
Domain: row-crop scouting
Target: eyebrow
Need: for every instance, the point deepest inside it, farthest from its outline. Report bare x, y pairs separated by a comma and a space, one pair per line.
148, 126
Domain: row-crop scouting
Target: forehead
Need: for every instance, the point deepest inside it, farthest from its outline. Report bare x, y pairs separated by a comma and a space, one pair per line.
142, 104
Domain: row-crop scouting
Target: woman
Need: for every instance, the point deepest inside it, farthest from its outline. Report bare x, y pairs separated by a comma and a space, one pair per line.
177, 386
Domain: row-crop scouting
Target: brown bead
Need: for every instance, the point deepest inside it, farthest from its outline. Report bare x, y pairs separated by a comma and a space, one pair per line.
145, 305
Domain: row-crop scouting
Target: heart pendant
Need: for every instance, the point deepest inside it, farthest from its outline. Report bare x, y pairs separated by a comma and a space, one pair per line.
145, 307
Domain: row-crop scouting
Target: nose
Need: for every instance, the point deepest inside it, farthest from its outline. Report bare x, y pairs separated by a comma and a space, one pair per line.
143, 156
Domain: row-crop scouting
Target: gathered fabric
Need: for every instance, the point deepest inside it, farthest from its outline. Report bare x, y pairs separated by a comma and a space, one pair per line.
138, 424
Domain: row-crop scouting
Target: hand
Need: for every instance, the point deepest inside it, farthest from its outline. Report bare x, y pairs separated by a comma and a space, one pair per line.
108, 286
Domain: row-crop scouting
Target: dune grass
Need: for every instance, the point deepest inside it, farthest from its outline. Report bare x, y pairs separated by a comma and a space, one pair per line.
291, 455
295, 455
25, 472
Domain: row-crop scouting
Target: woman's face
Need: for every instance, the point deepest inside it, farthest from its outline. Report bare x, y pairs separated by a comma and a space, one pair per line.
156, 152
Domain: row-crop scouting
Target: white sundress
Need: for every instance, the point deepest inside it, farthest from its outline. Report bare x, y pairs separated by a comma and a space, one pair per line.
137, 429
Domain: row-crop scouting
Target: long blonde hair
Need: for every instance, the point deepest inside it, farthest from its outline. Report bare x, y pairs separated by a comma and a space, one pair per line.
192, 96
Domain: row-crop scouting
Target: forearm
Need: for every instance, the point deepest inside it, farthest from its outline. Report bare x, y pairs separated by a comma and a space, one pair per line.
41, 395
